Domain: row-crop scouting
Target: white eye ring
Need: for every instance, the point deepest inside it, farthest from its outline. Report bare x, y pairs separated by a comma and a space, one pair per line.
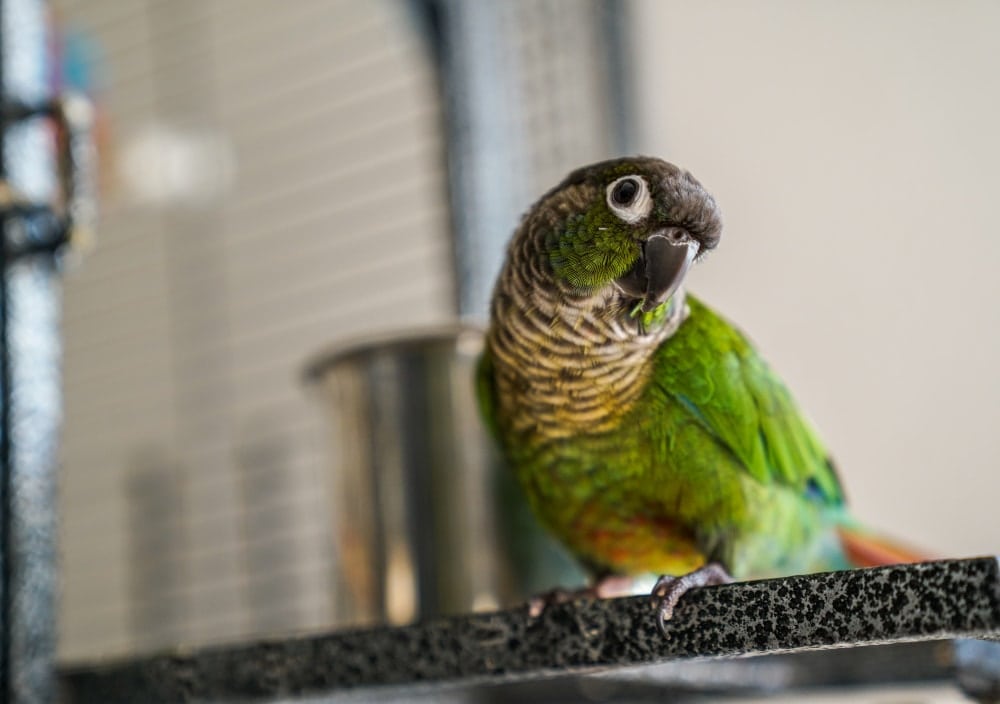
635, 208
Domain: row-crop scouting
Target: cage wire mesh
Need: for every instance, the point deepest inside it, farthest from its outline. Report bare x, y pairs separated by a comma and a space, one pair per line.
280, 183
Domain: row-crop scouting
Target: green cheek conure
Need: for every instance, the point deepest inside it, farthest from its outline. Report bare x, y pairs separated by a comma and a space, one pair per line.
648, 434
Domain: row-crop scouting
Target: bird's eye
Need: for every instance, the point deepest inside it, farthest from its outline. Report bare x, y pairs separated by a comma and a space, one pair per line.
625, 191
629, 199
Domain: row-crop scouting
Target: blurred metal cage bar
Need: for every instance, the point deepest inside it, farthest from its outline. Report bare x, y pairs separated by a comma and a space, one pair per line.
29, 295
45, 149
531, 91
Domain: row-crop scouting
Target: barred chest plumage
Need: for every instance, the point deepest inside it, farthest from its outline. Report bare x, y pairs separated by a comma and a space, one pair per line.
566, 361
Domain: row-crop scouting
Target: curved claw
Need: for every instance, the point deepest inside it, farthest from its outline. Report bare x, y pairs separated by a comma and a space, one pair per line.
668, 590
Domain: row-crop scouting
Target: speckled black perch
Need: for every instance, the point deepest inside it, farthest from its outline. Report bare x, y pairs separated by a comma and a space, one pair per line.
935, 600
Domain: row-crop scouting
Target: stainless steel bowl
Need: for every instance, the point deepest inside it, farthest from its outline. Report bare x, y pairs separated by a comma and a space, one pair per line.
424, 523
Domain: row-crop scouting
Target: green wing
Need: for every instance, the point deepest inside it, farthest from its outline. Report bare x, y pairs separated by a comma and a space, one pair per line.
713, 371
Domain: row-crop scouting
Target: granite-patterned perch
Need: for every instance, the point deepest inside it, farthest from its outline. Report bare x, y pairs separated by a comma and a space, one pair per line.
930, 601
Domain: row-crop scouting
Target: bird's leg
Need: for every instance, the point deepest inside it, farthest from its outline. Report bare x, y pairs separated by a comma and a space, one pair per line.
606, 587
668, 590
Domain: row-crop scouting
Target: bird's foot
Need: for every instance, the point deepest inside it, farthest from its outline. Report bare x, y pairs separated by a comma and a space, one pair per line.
668, 590
606, 587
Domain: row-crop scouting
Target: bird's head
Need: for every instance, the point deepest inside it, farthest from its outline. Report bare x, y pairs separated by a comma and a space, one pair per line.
631, 226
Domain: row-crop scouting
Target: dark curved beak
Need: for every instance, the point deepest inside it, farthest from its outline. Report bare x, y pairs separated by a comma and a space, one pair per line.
660, 269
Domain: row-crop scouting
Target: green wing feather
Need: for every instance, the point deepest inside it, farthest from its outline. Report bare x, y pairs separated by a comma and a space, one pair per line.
712, 370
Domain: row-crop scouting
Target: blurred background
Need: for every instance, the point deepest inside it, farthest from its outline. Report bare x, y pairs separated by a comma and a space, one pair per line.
278, 178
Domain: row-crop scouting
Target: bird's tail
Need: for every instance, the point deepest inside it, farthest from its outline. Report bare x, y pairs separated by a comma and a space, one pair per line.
864, 548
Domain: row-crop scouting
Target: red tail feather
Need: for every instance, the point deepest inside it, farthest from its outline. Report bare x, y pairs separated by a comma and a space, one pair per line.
864, 549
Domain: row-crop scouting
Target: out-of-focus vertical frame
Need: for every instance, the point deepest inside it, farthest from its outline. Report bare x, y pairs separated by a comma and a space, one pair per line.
509, 76
34, 230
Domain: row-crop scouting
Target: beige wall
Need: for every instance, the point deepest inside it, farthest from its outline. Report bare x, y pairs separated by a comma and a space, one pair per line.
853, 147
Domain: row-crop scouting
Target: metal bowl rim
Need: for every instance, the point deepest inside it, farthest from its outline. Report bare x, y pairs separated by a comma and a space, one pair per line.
358, 347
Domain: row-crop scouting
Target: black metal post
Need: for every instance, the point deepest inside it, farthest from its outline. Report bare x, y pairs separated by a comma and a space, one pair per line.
29, 356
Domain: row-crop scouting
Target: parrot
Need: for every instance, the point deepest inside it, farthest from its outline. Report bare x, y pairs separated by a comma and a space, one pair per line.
647, 433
